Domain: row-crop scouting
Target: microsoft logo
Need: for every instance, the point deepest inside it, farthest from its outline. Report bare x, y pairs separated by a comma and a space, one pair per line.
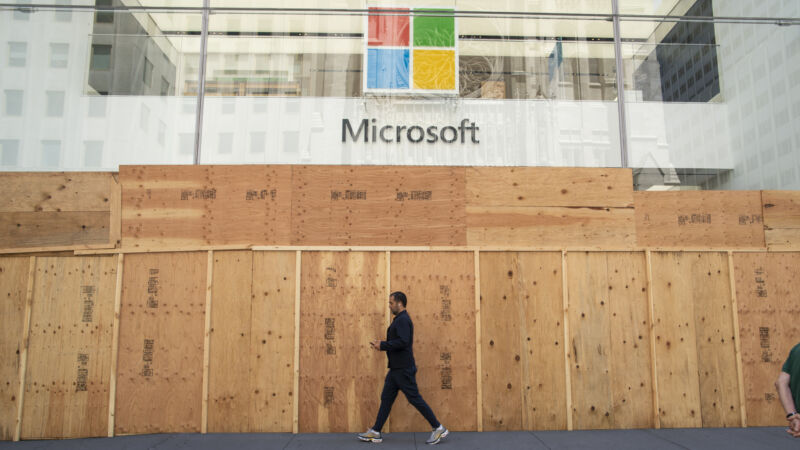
411, 51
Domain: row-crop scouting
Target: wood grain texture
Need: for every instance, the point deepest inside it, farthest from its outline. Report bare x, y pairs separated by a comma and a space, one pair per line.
781, 209
378, 205
160, 368
13, 287
341, 311
766, 290
440, 287
205, 205
56, 191
549, 186
699, 219
54, 229
69, 355
522, 341
550, 226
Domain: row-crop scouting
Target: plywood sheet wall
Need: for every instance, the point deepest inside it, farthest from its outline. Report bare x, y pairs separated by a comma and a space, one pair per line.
342, 308
522, 341
57, 209
252, 342
695, 355
341, 205
781, 219
699, 219
176, 206
160, 362
609, 346
550, 207
69, 355
766, 292
440, 287
13, 288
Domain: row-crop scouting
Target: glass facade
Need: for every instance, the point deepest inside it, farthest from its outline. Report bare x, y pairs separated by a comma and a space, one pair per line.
690, 94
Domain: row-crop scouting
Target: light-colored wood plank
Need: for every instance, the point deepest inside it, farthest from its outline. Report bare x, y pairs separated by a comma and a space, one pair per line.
441, 302
69, 355
699, 219
766, 287
272, 349
115, 220
567, 355
478, 340
550, 226
112, 385
296, 363
207, 340
378, 205
160, 375
781, 209
341, 311
783, 239
56, 191
54, 229
676, 347
737, 339
549, 186
26, 339
652, 332
14, 274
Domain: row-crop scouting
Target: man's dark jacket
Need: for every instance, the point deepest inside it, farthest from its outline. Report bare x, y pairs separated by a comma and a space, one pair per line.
398, 343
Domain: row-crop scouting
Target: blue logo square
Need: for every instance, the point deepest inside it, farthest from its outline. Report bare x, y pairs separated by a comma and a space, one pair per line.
387, 68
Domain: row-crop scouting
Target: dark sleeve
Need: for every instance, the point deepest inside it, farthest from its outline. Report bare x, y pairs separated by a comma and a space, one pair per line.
787, 366
403, 337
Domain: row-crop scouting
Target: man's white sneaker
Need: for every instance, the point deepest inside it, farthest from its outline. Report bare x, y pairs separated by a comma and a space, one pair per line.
371, 436
437, 435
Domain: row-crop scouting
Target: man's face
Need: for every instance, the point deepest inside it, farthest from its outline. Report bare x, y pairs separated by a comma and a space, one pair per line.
394, 305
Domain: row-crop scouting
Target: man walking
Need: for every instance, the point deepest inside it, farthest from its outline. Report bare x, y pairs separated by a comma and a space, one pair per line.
402, 370
788, 385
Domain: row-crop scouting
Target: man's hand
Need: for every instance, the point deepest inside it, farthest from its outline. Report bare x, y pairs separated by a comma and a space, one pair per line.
794, 425
376, 345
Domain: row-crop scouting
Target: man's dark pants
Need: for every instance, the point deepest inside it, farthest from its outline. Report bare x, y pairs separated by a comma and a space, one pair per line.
403, 380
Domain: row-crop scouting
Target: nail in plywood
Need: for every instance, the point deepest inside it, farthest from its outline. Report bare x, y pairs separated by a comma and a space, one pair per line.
69, 356
160, 375
341, 311
522, 341
549, 186
766, 288
441, 302
52, 229
272, 342
589, 340
205, 205
550, 226
630, 359
701, 219
13, 286
377, 205
716, 349
781, 219
676, 348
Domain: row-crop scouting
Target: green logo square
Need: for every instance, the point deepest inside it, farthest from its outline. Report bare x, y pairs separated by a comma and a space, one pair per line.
436, 29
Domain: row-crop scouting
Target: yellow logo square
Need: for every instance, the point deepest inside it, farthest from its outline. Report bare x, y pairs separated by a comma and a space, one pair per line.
434, 69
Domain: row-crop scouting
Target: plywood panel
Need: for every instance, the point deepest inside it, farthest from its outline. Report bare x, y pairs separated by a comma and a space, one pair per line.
54, 229
699, 219
522, 341
272, 342
69, 357
229, 346
549, 186
630, 359
160, 366
719, 388
342, 205
783, 239
56, 191
676, 347
766, 288
590, 340
205, 205
342, 309
781, 209
441, 302
13, 287
550, 226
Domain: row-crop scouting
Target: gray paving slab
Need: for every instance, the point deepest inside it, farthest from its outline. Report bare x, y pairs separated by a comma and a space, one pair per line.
484, 440
604, 439
774, 438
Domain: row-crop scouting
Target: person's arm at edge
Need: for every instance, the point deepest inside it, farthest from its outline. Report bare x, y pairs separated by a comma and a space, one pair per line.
785, 395
403, 336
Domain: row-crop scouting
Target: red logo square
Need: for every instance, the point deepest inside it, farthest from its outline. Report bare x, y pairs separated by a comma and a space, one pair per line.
390, 28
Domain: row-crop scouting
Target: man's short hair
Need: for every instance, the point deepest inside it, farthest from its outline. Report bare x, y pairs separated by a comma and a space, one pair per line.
400, 297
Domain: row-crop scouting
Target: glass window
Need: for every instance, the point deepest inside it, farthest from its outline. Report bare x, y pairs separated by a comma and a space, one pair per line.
51, 153
103, 16
186, 143
144, 117
101, 57
225, 146
164, 87
258, 142
9, 152
17, 54
147, 73
63, 15
55, 103
59, 54
22, 12
93, 154
13, 104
